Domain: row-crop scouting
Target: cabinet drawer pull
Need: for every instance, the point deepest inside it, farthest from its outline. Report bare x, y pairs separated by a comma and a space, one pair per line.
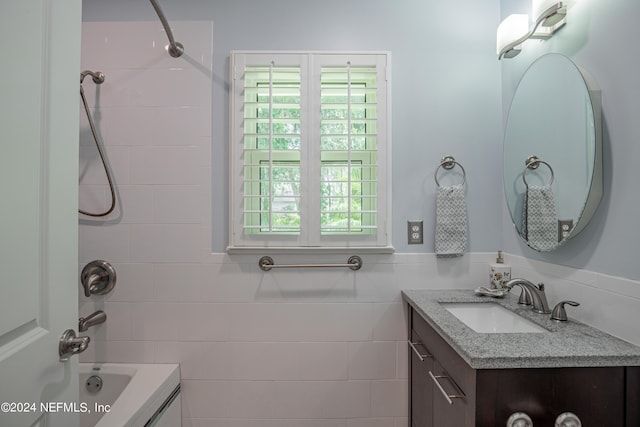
415, 350
446, 395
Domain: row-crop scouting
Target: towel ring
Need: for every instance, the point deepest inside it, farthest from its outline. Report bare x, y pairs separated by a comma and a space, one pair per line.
533, 162
448, 163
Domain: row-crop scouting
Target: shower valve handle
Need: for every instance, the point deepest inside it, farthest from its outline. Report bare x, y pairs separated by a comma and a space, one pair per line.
98, 278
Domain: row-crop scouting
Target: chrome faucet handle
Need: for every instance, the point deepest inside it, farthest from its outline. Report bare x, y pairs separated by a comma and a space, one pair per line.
98, 278
559, 313
89, 284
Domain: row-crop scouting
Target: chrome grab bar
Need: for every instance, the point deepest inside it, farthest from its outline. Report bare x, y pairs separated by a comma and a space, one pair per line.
446, 395
415, 350
266, 264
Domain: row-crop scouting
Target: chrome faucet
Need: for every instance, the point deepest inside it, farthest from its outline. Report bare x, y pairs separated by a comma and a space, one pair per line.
84, 323
536, 292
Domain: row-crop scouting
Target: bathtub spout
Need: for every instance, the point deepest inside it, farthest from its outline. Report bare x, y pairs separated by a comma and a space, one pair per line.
84, 323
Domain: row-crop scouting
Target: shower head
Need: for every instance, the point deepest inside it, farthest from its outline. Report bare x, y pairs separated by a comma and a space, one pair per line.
96, 76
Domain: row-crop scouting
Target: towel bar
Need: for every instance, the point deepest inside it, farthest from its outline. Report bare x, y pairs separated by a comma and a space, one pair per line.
448, 162
266, 264
532, 163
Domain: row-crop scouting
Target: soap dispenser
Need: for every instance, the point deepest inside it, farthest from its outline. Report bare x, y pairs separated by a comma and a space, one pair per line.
499, 272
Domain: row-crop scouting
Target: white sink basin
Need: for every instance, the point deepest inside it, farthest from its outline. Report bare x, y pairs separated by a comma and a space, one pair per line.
491, 318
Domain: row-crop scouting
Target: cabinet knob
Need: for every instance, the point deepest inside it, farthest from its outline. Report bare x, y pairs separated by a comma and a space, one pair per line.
519, 419
568, 419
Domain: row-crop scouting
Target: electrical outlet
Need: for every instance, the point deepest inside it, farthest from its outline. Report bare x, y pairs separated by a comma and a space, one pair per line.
414, 229
564, 228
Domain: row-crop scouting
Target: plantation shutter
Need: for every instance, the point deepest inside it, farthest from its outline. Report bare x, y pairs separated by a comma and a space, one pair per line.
272, 138
309, 151
348, 149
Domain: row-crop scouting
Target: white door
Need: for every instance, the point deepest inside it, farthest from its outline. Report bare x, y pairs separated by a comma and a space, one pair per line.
39, 84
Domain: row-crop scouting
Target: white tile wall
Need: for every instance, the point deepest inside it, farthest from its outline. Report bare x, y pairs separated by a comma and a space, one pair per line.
275, 349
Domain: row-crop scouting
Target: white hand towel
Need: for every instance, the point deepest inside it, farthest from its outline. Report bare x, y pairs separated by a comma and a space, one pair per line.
540, 220
451, 221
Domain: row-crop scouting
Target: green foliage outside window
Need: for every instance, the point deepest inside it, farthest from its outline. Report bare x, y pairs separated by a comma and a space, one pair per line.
274, 140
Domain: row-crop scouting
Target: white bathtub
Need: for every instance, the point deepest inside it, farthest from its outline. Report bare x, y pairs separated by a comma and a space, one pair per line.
131, 395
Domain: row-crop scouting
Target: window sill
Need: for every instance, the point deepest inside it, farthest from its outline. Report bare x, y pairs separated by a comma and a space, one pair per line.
281, 250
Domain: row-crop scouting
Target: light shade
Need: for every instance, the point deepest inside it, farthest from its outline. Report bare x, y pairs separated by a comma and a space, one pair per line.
511, 29
541, 7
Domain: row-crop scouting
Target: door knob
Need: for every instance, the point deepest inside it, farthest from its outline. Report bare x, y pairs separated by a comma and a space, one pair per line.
70, 344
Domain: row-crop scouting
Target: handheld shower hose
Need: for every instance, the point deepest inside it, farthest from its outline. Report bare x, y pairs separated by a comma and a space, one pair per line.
98, 78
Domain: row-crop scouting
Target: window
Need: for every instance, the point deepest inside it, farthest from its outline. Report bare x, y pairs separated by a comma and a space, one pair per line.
309, 150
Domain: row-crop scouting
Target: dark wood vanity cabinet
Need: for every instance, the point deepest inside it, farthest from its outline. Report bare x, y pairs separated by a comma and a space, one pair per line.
440, 384
446, 391
421, 389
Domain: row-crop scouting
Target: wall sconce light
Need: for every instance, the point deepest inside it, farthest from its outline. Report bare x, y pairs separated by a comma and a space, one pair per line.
514, 30
509, 31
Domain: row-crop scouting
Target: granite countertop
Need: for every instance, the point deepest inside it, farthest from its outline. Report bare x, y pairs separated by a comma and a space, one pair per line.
567, 344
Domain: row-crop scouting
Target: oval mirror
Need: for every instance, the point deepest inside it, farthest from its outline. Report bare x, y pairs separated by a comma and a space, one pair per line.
553, 152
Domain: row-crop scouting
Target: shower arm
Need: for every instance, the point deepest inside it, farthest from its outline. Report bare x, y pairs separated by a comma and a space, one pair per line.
175, 48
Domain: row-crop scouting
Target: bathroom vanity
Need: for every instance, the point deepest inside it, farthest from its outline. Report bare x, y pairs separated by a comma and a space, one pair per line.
460, 377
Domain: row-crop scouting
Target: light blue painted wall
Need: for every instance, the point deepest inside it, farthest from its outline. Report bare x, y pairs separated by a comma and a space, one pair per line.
600, 36
445, 89
447, 99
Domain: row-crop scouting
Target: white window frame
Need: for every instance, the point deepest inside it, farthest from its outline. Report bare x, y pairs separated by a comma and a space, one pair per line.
310, 237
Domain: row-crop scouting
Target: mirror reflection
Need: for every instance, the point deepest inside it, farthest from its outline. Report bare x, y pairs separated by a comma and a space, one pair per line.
552, 152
